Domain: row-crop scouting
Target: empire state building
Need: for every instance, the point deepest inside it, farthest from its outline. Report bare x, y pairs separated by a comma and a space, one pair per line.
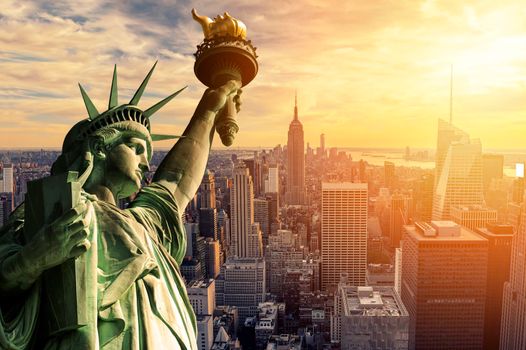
295, 194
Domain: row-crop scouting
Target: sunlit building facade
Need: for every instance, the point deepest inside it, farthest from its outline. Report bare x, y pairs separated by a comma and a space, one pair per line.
513, 325
458, 179
295, 194
444, 275
369, 318
474, 216
245, 234
343, 233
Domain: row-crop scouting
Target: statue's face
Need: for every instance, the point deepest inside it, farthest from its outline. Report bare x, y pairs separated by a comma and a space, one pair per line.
126, 164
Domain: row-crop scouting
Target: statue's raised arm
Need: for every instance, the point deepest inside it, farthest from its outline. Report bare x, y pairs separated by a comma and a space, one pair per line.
225, 61
181, 171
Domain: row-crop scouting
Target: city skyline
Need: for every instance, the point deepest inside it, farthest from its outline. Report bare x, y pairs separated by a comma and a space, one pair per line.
387, 86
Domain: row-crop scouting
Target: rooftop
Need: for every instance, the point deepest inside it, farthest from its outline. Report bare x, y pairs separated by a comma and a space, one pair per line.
472, 208
343, 186
441, 231
200, 283
372, 301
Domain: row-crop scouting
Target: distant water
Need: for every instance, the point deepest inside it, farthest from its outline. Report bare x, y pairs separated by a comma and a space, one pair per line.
378, 157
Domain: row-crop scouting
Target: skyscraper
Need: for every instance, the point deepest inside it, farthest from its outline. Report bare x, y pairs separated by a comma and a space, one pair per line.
447, 134
423, 197
458, 179
444, 275
389, 175
261, 216
295, 194
322, 143
474, 216
245, 234
499, 252
254, 169
343, 233
272, 182
400, 212
492, 168
242, 284
8, 178
513, 326
207, 191
369, 318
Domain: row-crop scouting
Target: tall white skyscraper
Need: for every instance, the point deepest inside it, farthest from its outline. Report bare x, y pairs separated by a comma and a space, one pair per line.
8, 182
458, 172
272, 182
343, 233
245, 234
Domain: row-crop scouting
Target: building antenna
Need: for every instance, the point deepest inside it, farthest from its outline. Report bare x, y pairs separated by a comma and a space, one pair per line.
451, 96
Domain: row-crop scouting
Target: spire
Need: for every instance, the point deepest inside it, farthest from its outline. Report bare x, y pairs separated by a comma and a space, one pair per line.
296, 106
92, 110
147, 113
451, 96
113, 91
138, 94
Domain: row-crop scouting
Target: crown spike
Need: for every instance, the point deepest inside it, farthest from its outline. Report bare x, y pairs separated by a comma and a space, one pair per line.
147, 113
90, 107
159, 137
138, 94
114, 94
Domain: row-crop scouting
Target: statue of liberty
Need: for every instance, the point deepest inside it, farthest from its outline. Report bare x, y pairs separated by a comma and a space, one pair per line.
130, 291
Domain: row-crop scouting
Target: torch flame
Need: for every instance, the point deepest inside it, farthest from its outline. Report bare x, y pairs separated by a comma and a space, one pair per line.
220, 26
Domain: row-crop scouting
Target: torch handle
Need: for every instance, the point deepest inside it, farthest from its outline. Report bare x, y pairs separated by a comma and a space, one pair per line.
226, 125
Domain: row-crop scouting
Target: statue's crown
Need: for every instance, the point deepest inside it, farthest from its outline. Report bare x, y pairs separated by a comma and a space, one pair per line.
127, 112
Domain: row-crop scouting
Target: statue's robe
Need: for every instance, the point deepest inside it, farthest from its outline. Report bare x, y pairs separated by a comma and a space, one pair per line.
136, 297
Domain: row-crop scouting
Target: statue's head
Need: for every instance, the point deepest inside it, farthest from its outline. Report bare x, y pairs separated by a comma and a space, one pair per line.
112, 148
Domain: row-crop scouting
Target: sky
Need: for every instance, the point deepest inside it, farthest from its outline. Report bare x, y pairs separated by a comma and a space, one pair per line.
367, 73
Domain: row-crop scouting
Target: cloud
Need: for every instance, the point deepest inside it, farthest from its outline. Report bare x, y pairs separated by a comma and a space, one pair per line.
371, 68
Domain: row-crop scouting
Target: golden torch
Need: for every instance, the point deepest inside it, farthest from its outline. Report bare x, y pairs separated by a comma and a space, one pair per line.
225, 54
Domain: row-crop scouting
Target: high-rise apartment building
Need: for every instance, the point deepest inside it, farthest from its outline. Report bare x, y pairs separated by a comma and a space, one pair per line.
245, 234
343, 233
474, 216
400, 214
8, 178
254, 169
272, 181
205, 331
513, 325
213, 258
499, 253
6, 206
242, 284
207, 191
458, 179
202, 296
261, 216
295, 194
444, 280
369, 318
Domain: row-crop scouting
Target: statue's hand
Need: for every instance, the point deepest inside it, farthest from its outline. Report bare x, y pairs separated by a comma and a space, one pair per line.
215, 99
63, 239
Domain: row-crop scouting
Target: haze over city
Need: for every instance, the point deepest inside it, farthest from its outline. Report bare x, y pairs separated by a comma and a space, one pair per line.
372, 74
